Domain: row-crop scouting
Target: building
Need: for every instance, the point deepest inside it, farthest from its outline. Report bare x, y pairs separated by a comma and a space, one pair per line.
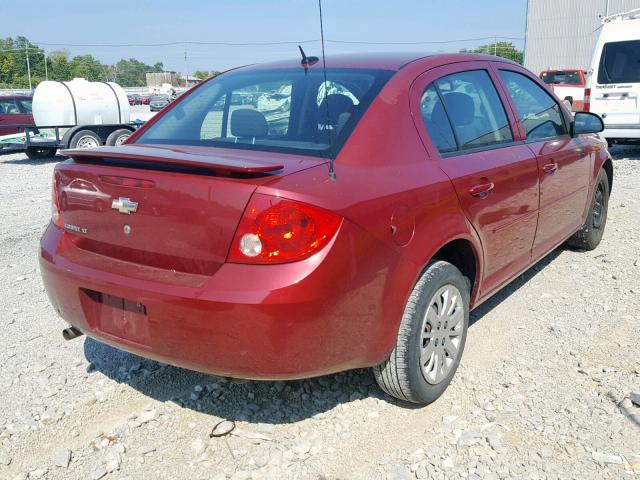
563, 33
159, 78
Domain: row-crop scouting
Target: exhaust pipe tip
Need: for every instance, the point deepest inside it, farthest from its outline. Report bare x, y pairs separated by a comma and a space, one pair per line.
70, 333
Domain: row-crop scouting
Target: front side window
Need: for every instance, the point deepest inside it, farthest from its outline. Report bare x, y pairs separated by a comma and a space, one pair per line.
620, 63
25, 105
473, 108
283, 110
9, 107
538, 111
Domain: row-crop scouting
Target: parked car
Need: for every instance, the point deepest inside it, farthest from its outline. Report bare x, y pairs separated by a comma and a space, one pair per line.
360, 237
276, 100
134, 99
568, 85
14, 110
615, 77
144, 100
158, 102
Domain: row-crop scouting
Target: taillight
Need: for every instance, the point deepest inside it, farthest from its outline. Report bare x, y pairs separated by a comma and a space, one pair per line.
587, 100
277, 230
56, 215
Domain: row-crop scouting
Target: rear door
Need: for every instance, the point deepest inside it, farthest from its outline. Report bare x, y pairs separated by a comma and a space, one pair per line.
563, 161
615, 92
465, 125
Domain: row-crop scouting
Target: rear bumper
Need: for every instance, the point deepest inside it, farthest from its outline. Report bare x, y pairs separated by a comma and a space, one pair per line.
324, 314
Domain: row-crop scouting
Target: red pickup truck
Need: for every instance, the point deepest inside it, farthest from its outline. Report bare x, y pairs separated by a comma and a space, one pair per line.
354, 227
567, 85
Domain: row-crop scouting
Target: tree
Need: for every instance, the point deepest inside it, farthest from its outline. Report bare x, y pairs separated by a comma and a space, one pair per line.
204, 74
501, 49
59, 69
85, 66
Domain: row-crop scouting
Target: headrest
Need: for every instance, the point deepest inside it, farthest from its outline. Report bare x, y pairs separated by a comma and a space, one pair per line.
248, 123
334, 104
461, 108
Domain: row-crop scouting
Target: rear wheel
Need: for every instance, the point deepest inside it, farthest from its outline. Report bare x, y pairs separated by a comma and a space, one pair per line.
589, 236
431, 338
116, 137
35, 153
85, 139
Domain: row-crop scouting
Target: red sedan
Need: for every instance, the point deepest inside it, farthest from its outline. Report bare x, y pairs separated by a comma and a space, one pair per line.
357, 227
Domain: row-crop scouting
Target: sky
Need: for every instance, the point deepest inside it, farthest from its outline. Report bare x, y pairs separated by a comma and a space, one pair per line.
117, 22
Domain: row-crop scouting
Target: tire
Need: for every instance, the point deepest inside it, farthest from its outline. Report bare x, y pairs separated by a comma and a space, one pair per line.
85, 139
590, 234
35, 153
116, 137
403, 375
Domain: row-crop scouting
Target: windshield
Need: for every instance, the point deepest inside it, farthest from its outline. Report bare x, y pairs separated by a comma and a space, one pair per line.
620, 63
564, 77
275, 110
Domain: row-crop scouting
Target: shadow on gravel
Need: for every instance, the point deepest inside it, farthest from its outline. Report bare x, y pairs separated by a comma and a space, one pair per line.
628, 152
512, 287
27, 161
628, 414
256, 401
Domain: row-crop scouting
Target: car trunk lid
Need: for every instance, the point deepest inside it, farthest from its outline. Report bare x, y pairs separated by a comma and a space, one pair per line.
171, 207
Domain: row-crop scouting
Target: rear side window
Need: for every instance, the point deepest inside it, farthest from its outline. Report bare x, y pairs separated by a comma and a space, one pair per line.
436, 121
539, 113
620, 62
467, 103
9, 107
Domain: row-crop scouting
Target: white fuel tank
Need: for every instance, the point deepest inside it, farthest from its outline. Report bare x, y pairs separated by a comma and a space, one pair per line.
80, 102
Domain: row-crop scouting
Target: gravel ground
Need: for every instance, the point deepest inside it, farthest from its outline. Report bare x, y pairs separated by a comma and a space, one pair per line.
545, 389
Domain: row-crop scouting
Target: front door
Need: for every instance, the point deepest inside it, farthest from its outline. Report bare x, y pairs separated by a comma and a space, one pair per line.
563, 162
494, 173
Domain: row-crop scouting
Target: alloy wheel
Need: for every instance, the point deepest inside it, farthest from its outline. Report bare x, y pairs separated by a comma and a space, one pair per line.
442, 330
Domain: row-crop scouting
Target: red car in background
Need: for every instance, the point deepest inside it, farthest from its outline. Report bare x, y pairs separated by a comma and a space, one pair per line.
567, 85
349, 229
14, 110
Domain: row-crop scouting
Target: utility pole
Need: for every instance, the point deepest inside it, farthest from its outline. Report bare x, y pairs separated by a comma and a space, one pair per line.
185, 70
26, 49
46, 71
495, 46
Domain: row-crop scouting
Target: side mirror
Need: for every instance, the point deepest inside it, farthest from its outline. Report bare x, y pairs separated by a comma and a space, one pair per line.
587, 122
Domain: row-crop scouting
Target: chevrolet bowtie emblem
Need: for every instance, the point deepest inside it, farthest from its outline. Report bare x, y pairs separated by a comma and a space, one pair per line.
124, 205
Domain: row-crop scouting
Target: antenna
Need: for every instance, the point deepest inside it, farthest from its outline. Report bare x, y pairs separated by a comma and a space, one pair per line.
332, 173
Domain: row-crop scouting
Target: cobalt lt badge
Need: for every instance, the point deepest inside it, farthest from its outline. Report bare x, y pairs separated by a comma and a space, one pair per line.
124, 205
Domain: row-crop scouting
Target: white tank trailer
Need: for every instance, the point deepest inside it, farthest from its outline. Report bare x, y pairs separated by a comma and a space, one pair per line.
77, 114
80, 102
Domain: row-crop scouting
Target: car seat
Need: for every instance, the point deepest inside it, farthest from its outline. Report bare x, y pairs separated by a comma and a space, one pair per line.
248, 124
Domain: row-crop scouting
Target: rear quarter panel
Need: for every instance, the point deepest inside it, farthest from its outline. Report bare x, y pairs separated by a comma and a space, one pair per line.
387, 185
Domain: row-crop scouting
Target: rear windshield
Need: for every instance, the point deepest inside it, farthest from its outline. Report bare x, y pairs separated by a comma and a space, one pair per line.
565, 77
620, 63
275, 110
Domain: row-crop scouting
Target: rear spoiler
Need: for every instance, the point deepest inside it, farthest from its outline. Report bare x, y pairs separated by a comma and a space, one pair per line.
175, 155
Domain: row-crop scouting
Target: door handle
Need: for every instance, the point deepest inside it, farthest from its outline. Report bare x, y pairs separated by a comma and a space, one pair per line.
550, 167
482, 190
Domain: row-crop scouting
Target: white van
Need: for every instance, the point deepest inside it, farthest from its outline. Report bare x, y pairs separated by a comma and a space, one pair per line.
615, 77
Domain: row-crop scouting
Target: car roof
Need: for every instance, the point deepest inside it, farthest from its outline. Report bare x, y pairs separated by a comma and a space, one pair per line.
382, 61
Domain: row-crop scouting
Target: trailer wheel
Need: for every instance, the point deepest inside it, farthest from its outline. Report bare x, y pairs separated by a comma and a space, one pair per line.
116, 137
85, 139
35, 153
